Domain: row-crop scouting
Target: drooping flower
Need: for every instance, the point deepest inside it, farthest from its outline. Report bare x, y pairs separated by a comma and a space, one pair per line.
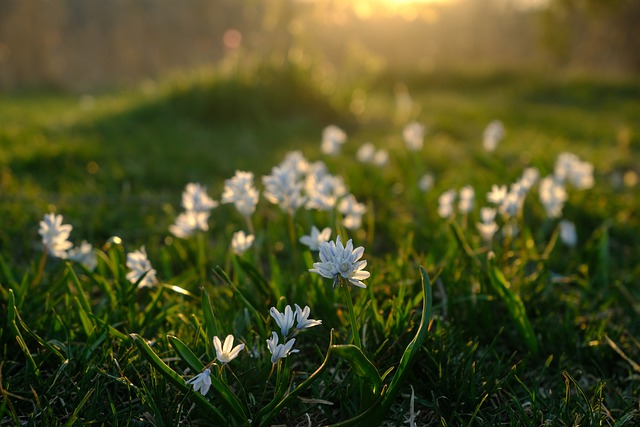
497, 194
445, 203
240, 191
467, 198
366, 152
323, 190
84, 254
195, 198
240, 242
188, 222
283, 188
337, 261
552, 195
487, 227
303, 318
55, 235
568, 233
381, 158
280, 351
426, 182
332, 138
315, 238
352, 211
201, 382
284, 320
413, 134
226, 352
140, 266
570, 168
492, 135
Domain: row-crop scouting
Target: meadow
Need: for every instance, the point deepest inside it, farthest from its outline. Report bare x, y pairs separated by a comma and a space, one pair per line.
481, 308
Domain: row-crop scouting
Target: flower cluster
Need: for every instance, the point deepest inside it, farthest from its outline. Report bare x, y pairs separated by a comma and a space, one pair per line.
55, 238
332, 138
240, 191
341, 262
285, 322
141, 271
197, 208
225, 353
413, 135
367, 153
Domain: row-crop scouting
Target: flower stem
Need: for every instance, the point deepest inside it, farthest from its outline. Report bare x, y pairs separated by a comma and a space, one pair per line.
352, 315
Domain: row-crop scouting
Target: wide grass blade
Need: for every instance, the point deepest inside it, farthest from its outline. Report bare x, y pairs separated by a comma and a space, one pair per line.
361, 365
515, 306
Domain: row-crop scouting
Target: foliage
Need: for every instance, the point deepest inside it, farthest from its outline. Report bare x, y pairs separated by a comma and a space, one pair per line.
521, 330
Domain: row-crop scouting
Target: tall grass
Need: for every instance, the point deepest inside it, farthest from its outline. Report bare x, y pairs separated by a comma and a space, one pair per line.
523, 330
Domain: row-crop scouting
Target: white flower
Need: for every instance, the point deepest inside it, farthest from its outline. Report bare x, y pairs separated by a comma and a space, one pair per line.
529, 178
413, 135
240, 191
55, 235
303, 318
487, 230
201, 382
332, 138
294, 160
492, 135
497, 194
323, 190
366, 152
353, 211
240, 242
284, 320
226, 352
316, 237
188, 222
487, 215
445, 203
568, 233
426, 182
195, 198
84, 254
279, 351
381, 158
569, 167
283, 188
467, 197
512, 202
140, 266
341, 261
552, 195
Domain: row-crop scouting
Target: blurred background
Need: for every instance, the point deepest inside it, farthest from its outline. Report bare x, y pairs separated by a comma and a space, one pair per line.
81, 45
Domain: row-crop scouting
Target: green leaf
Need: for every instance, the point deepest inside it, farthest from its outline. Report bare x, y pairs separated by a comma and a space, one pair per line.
360, 364
175, 379
185, 354
515, 306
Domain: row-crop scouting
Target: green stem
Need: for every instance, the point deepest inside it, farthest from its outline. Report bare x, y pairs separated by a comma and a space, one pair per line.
352, 315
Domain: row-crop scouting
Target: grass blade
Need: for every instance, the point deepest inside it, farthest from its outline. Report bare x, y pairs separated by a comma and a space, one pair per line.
515, 306
175, 379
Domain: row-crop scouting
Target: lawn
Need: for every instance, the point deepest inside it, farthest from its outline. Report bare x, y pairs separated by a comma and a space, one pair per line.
522, 328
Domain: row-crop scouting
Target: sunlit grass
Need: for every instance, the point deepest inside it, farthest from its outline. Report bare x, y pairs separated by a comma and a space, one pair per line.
523, 331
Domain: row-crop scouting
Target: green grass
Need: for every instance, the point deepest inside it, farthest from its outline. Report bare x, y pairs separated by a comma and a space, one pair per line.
535, 334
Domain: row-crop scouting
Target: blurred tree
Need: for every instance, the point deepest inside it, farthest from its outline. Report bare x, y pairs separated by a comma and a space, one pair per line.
604, 34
